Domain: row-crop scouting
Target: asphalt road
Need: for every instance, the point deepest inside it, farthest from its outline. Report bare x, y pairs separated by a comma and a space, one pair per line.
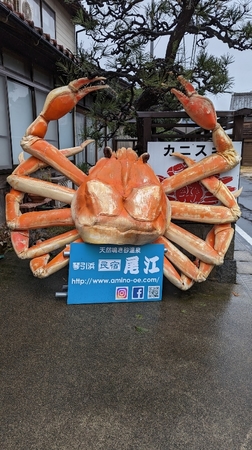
245, 203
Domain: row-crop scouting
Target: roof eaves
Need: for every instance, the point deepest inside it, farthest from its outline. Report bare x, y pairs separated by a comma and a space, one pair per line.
36, 31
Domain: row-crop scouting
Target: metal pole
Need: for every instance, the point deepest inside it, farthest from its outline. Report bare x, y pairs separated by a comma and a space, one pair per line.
152, 42
151, 49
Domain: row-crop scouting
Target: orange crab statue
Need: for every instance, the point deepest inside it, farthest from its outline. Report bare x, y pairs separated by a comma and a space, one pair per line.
122, 201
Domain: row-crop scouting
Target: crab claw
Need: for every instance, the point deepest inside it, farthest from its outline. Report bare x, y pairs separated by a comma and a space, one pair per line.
63, 99
200, 109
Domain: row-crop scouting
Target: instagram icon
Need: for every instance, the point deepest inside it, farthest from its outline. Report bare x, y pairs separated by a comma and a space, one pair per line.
121, 293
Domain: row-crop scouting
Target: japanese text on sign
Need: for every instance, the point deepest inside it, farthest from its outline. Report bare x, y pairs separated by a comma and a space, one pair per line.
125, 274
163, 161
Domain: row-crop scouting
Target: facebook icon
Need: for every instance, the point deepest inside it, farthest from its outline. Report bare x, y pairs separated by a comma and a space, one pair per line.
138, 293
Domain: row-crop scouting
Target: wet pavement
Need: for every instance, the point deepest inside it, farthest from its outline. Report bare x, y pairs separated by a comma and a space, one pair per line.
175, 374
245, 202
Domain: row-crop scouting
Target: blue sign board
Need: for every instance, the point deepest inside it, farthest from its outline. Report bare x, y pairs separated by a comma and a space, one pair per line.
115, 273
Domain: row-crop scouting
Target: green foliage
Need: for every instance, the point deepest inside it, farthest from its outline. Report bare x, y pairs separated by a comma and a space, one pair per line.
212, 73
130, 129
85, 167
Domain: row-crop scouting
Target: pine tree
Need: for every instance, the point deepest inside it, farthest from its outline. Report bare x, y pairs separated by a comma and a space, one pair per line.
120, 33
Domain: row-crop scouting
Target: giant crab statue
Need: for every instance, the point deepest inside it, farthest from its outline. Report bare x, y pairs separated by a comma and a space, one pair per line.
122, 201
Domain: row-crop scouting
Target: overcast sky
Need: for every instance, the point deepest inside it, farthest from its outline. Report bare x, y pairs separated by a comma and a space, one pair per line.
240, 70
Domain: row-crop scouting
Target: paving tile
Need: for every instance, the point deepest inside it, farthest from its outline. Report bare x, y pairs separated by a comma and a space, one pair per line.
242, 255
244, 267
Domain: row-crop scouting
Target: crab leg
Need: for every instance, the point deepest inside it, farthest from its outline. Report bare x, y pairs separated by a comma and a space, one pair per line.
71, 151
35, 219
202, 111
180, 281
28, 166
204, 213
15, 197
20, 242
181, 261
205, 168
204, 268
40, 187
52, 157
41, 219
32, 164
13, 200
215, 186
199, 108
194, 245
41, 268
218, 239
58, 102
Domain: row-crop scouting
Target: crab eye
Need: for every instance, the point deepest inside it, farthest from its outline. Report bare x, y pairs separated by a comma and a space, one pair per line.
145, 203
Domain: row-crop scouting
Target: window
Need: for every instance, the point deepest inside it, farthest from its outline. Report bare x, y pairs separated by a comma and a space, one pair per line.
43, 16
15, 63
36, 13
66, 135
20, 107
48, 20
6, 162
20, 99
42, 77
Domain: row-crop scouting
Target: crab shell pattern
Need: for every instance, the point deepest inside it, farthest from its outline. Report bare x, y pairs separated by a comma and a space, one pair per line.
122, 201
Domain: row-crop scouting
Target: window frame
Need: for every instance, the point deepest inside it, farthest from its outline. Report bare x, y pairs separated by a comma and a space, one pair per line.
52, 15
